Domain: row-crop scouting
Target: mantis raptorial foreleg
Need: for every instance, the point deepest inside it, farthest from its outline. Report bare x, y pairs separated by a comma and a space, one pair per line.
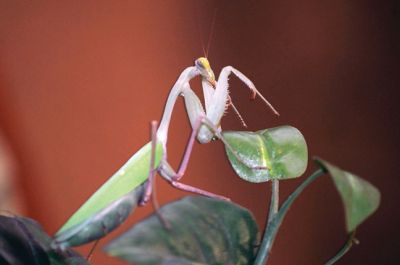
216, 100
227, 70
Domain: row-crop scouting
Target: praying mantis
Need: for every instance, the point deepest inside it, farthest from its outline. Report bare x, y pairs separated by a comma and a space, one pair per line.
132, 184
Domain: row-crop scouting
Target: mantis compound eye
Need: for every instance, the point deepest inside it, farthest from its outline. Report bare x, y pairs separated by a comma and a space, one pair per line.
203, 64
199, 64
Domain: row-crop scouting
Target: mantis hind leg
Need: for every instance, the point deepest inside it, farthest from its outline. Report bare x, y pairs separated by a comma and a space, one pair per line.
170, 175
192, 189
152, 171
92, 249
149, 186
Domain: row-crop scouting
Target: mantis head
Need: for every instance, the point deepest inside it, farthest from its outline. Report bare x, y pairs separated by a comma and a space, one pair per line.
203, 65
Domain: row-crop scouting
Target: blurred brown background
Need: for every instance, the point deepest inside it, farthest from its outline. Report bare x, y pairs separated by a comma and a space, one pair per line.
80, 81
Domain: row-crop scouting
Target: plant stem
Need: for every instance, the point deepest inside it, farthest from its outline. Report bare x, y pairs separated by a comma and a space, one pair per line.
273, 210
274, 202
344, 249
272, 227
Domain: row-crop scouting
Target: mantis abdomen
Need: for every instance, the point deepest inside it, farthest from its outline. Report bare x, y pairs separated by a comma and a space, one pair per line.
120, 189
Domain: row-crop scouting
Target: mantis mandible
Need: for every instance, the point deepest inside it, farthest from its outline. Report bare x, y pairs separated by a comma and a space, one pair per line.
132, 184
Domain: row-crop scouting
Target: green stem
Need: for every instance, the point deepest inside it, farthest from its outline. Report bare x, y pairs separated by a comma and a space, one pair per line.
273, 210
272, 227
274, 202
344, 249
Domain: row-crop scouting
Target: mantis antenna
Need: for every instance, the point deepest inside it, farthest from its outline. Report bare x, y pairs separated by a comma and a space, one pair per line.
211, 33
208, 90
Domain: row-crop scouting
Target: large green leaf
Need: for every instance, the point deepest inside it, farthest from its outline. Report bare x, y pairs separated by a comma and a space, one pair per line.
200, 231
283, 150
360, 198
23, 241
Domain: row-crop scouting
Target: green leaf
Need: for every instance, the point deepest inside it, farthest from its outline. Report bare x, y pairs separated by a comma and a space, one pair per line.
23, 241
18, 245
200, 231
283, 150
360, 198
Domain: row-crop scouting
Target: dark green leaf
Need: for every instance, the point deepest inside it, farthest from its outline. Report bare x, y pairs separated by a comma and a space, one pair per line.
18, 245
23, 241
360, 198
66, 257
282, 150
201, 231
